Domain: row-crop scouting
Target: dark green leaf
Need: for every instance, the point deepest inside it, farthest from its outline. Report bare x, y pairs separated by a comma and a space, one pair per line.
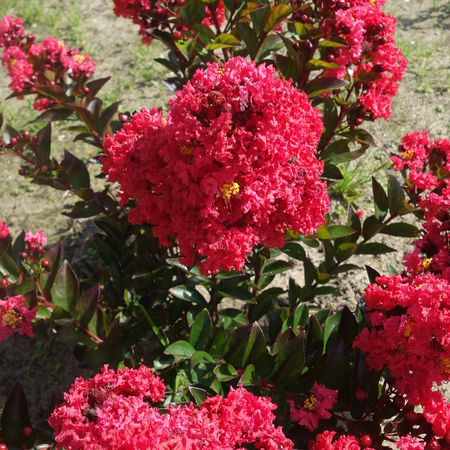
372, 274
322, 85
201, 331
199, 395
275, 15
65, 289
374, 248
15, 417
277, 267
401, 229
380, 200
180, 349
371, 227
190, 295
396, 197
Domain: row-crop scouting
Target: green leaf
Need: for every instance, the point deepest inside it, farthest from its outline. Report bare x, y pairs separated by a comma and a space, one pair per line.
372, 274
290, 361
331, 172
330, 325
44, 143
180, 349
225, 372
53, 256
270, 44
4, 244
190, 295
345, 250
201, 331
15, 417
199, 395
249, 37
396, 197
340, 231
317, 64
277, 267
249, 375
401, 229
374, 248
224, 40
371, 227
275, 15
245, 344
86, 304
380, 200
348, 326
322, 85
361, 136
294, 250
64, 291
201, 356
75, 171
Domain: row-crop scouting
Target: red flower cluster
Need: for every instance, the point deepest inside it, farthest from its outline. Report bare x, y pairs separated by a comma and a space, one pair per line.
164, 16
410, 334
4, 230
233, 166
32, 66
316, 407
110, 411
15, 317
327, 441
370, 55
425, 165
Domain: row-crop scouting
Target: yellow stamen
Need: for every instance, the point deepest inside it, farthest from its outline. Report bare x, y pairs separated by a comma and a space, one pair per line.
424, 265
11, 319
408, 155
61, 43
229, 189
79, 58
310, 402
372, 2
12, 63
185, 150
445, 363
407, 332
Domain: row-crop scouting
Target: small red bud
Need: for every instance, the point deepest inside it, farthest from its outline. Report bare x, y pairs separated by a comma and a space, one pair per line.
399, 401
4, 282
23, 255
27, 431
413, 417
123, 117
26, 134
3, 447
46, 263
86, 90
14, 140
365, 441
358, 121
35, 139
21, 172
31, 38
40, 249
360, 394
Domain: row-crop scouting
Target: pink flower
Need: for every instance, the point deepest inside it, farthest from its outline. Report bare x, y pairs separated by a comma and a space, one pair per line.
110, 411
15, 317
409, 443
327, 441
4, 230
315, 407
35, 240
233, 166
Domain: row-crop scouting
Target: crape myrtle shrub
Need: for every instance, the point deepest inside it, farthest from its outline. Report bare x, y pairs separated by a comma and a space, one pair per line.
173, 303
